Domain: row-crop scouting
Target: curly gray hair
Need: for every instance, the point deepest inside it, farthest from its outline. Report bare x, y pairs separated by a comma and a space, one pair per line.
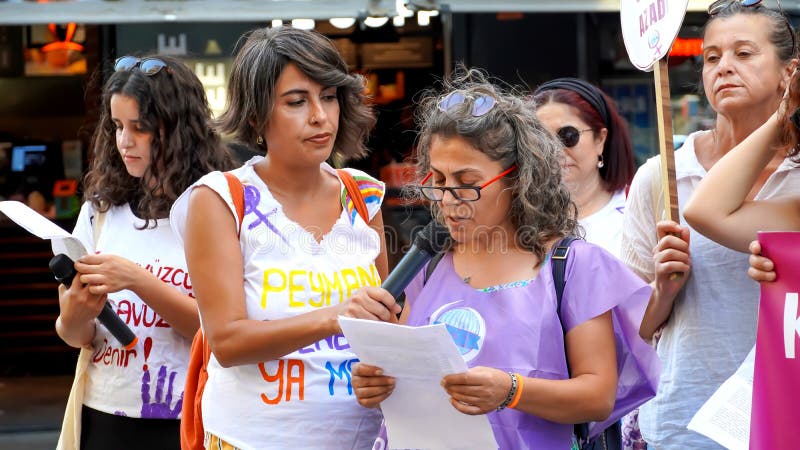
541, 207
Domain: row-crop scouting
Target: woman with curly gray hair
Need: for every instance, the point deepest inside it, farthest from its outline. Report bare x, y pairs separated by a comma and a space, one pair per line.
492, 173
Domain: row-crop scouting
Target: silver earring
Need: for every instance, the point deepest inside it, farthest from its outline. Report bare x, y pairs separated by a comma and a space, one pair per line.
260, 141
600, 162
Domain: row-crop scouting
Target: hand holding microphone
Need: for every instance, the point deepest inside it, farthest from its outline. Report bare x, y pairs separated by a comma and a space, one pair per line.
64, 271
385, 303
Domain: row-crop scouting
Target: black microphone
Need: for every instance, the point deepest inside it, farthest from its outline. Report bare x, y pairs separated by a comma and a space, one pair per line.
64, 270
432, 239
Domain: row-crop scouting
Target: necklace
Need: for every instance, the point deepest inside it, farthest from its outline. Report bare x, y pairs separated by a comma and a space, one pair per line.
468, 278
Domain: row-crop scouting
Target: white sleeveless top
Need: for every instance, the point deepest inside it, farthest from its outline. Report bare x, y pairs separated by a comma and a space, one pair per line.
604, 227
713, 323
305, 399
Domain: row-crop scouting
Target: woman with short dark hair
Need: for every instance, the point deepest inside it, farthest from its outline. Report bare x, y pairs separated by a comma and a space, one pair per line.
271, 284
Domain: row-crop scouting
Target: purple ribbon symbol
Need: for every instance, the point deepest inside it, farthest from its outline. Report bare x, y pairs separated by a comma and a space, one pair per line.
252, 197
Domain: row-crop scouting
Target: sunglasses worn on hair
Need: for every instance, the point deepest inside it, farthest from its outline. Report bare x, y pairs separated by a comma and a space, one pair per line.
480, 105
460, 193
716, 7
148, 66
570, 136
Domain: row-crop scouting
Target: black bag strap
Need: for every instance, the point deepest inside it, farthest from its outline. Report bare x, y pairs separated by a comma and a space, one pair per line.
559, 258
432, 266
559, 264
428, 272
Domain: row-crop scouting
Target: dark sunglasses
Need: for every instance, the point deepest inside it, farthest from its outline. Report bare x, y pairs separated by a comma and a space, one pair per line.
716, 7
570, 136
148, 66
480, 105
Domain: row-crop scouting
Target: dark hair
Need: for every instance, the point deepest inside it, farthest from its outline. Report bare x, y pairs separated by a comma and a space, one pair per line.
619, 167
781, 32
541, 208
256, 69
173, 108
790, 132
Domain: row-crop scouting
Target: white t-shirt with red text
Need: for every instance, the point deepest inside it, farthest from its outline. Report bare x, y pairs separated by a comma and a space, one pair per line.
147, 380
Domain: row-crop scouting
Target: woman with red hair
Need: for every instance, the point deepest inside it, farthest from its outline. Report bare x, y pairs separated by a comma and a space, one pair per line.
598, 157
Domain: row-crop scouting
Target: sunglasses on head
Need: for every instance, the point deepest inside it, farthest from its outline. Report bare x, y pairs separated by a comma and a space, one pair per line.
716, 7
480, 105
148, 66
570, 136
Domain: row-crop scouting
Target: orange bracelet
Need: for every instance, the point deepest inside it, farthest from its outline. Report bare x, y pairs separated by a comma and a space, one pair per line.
518, 394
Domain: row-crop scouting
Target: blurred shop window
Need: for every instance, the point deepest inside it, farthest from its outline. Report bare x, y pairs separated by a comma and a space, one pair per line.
635, 98
387, 92
55, 49
213, 72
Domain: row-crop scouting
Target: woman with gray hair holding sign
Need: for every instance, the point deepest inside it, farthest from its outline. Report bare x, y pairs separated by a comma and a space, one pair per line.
707, 316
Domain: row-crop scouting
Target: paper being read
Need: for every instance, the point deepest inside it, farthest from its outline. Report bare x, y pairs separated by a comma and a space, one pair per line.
725, 417
418, 414
60, 240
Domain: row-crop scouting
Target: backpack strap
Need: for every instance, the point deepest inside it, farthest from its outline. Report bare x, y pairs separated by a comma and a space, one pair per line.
558, 262
354, 193
192, 432
97, 225
432, 266
237, 193
559, 265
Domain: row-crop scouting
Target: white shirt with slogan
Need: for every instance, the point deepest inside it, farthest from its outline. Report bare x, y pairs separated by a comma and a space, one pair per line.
147, 380
304, 399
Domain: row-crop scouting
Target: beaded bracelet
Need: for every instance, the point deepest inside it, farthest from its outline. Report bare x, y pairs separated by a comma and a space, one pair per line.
518, 394
511, 392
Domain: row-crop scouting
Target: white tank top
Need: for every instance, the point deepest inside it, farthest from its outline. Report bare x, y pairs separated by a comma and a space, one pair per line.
305, 399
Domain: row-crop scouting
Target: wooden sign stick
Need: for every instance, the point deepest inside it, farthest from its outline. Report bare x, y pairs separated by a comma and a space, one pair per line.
669, 184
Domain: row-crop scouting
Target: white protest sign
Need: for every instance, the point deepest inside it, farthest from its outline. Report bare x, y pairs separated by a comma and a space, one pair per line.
649, 27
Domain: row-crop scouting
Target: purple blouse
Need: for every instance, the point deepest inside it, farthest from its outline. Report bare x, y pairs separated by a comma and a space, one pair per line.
517, 329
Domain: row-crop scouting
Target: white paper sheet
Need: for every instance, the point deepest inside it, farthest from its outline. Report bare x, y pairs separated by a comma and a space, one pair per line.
418, 414
61, 240
725, 417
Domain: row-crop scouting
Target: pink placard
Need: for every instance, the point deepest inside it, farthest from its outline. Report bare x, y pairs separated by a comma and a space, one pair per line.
776, 381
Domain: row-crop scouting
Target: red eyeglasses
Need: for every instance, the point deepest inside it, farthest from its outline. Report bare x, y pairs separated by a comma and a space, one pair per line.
460, 193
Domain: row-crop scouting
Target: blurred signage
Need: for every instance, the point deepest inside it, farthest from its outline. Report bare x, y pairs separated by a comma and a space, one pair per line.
408, 52
687, 47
